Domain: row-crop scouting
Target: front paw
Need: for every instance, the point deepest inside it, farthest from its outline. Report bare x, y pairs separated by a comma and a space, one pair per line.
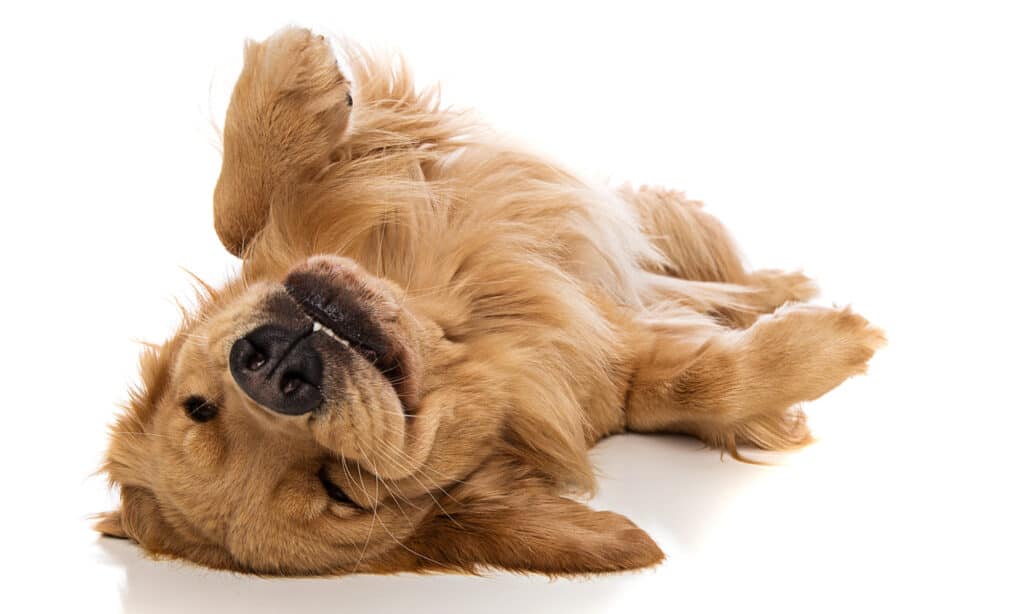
298, 74
284, 125
290, 106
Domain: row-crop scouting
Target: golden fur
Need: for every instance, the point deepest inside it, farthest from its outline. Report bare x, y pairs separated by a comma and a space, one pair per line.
533, 314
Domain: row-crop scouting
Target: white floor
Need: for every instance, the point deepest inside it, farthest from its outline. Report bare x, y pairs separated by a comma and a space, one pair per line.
880, 515
878, 147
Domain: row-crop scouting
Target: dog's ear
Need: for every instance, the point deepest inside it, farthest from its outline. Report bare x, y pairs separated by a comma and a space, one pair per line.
109, 524
139, 519
520, 523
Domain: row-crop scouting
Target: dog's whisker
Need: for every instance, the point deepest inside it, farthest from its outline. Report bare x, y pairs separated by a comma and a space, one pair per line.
412, 474
390, 492
145, 434
392, 535
373, 520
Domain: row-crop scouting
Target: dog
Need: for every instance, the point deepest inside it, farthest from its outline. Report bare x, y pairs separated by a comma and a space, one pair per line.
430, 329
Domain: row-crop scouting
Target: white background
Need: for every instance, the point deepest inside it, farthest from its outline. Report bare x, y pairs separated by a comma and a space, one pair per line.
879, 146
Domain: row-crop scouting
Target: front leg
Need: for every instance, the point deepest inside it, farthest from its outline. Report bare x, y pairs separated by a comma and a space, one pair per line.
284, 123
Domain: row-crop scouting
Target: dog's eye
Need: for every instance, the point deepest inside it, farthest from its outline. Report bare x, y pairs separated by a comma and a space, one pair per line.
348, 99
333, 490
199, 408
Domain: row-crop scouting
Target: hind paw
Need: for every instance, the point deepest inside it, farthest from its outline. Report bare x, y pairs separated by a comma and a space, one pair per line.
816, 348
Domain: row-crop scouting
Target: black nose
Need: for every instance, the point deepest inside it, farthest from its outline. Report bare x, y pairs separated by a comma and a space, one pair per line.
279, 369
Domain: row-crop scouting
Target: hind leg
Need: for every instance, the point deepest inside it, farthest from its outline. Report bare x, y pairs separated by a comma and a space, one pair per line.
697, 247
740, 387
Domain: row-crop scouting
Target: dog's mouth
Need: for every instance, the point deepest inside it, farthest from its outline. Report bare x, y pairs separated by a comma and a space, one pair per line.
343, 336
318, 327
341, 311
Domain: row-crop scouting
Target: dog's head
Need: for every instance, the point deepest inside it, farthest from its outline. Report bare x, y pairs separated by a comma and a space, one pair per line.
322, 423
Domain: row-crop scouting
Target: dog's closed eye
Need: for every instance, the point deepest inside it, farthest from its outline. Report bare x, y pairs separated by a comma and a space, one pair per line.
333, 490
199, 408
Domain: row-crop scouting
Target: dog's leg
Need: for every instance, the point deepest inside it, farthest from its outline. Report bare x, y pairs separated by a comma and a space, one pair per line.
284, 123
697, 247
739, 387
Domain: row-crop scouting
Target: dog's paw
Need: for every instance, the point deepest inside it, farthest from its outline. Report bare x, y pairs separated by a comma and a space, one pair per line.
816, 348
797, 354
300, 65
781, 287
291, 100
284, 126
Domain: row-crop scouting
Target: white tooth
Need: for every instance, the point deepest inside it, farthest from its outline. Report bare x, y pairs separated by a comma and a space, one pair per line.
317, 326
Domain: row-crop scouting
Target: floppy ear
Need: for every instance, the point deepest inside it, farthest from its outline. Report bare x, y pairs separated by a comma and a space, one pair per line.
139, 519
522, 524
109, 524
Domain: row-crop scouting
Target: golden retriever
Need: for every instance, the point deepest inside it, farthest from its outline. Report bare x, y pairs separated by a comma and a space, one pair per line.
429, 331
